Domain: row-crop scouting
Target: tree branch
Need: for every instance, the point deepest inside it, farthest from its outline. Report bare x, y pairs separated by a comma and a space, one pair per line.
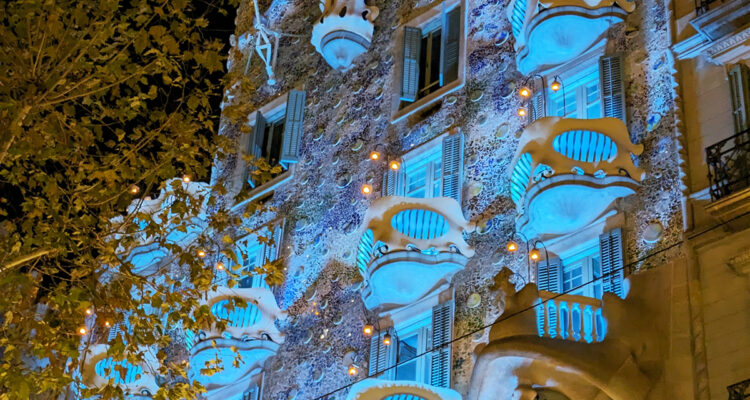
26, 258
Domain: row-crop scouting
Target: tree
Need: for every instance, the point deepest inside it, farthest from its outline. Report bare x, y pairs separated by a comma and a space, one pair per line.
101, 103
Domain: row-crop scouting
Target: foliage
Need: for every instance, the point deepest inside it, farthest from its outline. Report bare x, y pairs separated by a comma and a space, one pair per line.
101, 103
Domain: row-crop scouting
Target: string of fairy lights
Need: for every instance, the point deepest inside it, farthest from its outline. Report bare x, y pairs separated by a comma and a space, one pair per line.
368, 329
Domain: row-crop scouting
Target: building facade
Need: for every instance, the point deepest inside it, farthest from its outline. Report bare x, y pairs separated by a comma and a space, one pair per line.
484, 199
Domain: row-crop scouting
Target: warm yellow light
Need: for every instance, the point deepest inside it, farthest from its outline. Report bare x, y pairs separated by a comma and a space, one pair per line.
534, 255
201, 253
366, 189
220, 266
89, 311
374, 156
394, 165
186, 178
353, 370
387, 339
317, 312
107, 324
555, 85
82, 331
522, 112
524, 91
135, 189
367, 330
512, 246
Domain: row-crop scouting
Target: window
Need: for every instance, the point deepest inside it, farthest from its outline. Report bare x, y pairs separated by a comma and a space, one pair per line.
276, 135
582, 269
579, 96
412, 341
254, 254
434, 169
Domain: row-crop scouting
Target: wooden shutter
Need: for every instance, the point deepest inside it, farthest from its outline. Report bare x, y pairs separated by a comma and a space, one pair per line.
453, 165
113, 332
549, 275
271, 252
610, 249
393, 182
442, 327
449, 43
382, 357
537, 108
739, 87
410, 73
613, 86
293, 126
254, 146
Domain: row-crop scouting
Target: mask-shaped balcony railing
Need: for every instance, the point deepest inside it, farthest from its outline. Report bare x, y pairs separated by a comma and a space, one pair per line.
410, 247
570, 317
567, 172
249, 331
381, 389
136, 380
552, 32
344, 31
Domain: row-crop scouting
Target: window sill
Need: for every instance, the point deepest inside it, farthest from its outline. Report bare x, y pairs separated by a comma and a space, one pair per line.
266, 188
427, 101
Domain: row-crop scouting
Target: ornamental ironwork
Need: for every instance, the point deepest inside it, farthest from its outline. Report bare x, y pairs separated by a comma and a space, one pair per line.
729, 165
740, 390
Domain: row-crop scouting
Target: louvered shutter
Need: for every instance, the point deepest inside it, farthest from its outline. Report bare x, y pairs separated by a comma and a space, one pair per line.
739, 87
549, 275
382, 357
271, 252
252, 394
254, 146
393, 182
442, 334
453, 163
410, 73
610, 249
537, 107
113, 332
449, 46
293, 126
613, 86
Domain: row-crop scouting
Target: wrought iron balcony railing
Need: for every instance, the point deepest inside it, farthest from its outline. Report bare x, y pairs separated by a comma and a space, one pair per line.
729, 165
740, 390
701, 6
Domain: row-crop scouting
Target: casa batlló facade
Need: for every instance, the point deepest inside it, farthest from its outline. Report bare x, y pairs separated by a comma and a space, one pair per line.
482, 199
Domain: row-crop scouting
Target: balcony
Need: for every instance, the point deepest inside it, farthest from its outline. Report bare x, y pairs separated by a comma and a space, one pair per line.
379, 389
570, 317
344, 31
249, 315
729, 176
551, 32
739, 391
136, 381
410, 248
567, 173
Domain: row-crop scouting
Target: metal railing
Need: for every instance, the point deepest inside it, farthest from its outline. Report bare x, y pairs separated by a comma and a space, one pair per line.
701, 6
729, 165
740, 390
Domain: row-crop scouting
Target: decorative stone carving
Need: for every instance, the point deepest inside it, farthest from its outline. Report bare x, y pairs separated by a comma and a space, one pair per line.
344, 31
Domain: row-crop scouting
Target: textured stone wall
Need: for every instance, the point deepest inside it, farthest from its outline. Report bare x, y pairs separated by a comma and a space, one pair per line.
347, 114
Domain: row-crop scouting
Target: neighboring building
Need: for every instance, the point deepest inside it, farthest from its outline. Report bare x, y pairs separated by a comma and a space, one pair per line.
492, 200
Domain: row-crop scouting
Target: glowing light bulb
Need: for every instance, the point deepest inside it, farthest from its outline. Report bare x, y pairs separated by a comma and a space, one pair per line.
387, 339
522, 112
524, 91
89, 311
107, 324
134, 189
366, 189
220, 266
201, 253
512, 246
367, 330
353, 370
394, 165
186, 178
535, 255
82, 330
317, 312
555, 85
374, 156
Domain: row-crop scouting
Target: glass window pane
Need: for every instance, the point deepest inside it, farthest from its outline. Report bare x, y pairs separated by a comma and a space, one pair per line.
407, 350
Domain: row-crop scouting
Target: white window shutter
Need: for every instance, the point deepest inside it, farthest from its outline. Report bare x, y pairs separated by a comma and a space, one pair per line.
293, 126
613, 86
739, 87
442, 334
393, 182
453, 165
449, 46
549, 275
537, 108
410, 72
382, 357
610, 249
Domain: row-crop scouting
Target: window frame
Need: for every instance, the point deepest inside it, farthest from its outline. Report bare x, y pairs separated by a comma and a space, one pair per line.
425, 160
574, 71
424, 20
422, 327
586, 259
